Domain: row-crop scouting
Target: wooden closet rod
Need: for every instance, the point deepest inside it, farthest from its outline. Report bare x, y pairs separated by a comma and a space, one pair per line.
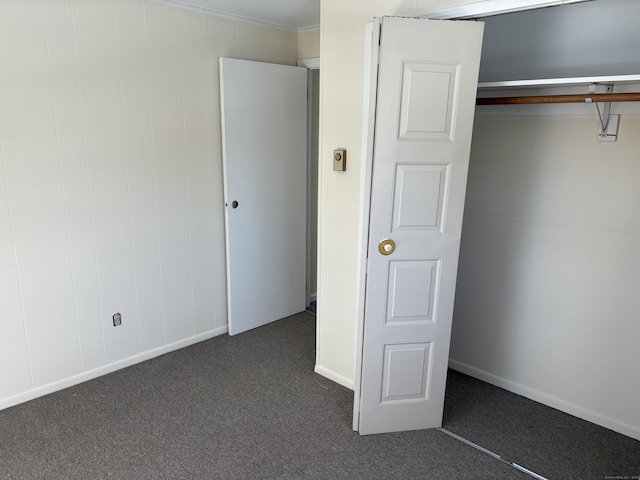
541, 99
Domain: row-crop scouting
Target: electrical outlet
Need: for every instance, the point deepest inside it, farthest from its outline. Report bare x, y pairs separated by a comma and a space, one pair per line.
117, 319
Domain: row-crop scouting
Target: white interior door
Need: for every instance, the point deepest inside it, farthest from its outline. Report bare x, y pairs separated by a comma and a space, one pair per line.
264, 138
426, 91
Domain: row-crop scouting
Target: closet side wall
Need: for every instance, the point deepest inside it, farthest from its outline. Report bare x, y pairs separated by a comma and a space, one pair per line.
547, 303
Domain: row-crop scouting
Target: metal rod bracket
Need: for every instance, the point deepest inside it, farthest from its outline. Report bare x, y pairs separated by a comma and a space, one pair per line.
608, 125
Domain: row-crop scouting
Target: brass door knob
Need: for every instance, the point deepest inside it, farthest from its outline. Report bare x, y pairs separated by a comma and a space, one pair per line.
386, 246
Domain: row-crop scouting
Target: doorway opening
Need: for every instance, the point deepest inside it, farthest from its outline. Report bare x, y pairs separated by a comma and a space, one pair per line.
313, 130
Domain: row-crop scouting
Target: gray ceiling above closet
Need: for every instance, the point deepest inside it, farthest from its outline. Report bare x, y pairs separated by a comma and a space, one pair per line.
594, 38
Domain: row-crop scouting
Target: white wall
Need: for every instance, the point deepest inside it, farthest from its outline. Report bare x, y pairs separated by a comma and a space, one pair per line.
547, 301
110, 183
309, 43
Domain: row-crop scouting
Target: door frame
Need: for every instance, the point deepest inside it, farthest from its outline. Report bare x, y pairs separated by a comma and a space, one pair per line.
310, 64
372, 48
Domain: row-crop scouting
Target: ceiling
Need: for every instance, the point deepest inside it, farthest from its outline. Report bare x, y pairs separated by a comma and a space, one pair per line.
297, 15
284, 14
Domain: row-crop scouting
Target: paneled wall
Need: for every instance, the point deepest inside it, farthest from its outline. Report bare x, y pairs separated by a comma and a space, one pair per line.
111, 183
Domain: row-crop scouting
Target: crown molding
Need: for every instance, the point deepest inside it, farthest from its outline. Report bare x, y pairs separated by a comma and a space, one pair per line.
310, 28
185, 5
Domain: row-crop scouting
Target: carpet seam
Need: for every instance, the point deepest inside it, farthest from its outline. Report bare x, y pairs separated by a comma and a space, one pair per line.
492, 454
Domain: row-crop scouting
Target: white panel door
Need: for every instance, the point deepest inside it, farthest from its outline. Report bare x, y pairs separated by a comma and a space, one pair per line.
264, 136
426, 90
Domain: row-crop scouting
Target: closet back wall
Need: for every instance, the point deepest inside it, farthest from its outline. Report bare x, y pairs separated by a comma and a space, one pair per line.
598, 37
547, 300
110, 183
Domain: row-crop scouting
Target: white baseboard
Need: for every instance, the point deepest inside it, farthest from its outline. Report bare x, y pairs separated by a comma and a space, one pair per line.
313, 297
109, 368
331, 375
549, 400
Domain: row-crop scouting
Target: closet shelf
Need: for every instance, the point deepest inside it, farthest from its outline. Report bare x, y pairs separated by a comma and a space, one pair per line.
590, 97
557, 82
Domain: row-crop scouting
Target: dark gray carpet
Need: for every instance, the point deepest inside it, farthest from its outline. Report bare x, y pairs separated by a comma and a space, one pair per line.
549, 442
243, 407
